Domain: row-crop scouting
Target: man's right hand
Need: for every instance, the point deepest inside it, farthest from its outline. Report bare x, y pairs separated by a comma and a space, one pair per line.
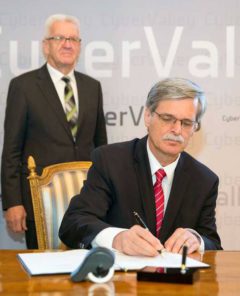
137, 241
16, 219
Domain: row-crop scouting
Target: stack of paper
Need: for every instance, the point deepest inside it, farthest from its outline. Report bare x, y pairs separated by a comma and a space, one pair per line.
67, 261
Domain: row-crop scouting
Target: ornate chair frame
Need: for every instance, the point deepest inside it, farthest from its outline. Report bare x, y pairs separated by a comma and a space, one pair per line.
37, 182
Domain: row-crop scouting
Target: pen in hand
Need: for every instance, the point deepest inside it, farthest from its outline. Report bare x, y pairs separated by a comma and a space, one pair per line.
140, 221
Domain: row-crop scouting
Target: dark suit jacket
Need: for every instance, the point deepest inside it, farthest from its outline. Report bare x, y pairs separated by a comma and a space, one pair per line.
120, 182
35, 124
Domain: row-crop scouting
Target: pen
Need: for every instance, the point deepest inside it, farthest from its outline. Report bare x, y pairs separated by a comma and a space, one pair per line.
140, 221
184, 257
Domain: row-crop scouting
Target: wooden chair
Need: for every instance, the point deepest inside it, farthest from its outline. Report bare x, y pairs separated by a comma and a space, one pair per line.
51, 193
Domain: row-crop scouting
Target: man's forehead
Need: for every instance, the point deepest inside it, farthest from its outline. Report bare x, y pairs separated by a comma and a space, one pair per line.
176, 104
64, 26
183, 100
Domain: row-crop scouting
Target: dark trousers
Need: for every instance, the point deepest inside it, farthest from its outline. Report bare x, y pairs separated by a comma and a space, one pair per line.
31, 235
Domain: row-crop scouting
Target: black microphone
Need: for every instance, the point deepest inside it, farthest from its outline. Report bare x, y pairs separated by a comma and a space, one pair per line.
97, 266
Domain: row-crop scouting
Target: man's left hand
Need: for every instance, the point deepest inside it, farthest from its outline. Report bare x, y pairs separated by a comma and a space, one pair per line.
181, 237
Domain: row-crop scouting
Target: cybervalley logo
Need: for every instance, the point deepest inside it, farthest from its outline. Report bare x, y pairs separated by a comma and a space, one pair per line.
229, 196
132, 115
230, 118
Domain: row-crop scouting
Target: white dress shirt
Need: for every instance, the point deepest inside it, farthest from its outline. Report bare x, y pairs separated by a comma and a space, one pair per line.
59, 84
105, 237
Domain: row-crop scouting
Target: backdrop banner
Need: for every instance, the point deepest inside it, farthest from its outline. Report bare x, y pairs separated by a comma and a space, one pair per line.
130, 45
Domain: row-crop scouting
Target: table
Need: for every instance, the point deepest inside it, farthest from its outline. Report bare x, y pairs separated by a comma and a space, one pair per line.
223, 278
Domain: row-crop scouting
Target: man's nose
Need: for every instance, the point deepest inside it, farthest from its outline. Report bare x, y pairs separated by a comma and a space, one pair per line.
67, 43
177, 127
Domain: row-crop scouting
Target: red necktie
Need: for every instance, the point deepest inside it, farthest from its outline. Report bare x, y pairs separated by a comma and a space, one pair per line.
159, 199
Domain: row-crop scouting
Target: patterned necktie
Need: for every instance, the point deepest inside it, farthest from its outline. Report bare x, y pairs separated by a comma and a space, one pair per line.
70, 106
159, 199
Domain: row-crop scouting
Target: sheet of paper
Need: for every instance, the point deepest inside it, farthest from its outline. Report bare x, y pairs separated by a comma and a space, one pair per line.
52, 262
67, 261
166, 260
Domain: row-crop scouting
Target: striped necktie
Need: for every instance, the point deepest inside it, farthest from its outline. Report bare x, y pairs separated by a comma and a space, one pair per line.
70, 106
159, 199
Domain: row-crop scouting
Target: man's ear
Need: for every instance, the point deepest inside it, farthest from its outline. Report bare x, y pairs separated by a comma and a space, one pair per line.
147, 117
45, 48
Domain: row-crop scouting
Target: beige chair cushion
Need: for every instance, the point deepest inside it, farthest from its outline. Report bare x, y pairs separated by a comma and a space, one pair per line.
55, 199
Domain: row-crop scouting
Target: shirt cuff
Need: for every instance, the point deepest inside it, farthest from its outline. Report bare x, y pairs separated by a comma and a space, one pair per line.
202, 244
105, 237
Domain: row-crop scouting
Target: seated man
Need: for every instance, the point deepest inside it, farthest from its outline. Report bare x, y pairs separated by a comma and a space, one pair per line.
173, 193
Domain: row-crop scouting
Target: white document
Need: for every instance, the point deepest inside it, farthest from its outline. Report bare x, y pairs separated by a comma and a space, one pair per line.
68, 261
165, 260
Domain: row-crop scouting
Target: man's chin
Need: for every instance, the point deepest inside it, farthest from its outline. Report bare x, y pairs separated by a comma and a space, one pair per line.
67, 63
173, 148
67, 59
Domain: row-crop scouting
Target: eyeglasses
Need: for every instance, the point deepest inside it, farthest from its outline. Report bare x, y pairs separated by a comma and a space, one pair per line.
61, 39
170, 120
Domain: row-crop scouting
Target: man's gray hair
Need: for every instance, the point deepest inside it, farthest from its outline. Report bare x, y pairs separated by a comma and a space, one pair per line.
59, 18
176, 89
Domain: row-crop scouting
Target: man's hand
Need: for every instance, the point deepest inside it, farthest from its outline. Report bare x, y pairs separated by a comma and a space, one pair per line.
182, 237
16, 219
137, 241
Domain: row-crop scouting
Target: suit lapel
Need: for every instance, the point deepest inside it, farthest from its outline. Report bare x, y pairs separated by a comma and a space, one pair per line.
82, 90
178, 192
50, 94
143, 172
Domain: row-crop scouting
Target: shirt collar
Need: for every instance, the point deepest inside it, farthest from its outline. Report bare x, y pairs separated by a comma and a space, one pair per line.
155, 165
57, 75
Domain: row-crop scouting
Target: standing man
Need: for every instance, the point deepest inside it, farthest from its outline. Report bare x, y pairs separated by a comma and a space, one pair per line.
170, 190
54, 114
